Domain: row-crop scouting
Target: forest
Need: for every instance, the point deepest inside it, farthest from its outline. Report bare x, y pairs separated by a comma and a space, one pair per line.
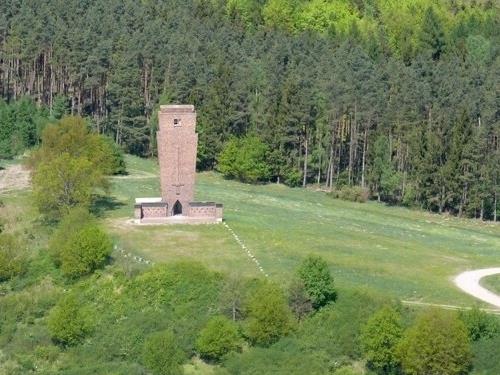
398, 98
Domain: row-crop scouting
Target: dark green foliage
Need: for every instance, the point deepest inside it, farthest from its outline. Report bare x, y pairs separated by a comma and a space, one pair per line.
437, 343
12, 256
380, 338
69, 322
356, 93
322, 343
269, 317
245, 160
317, 280
480, 324
20, 126
351, 193
219, 337
162, 355
117, 162
485, 351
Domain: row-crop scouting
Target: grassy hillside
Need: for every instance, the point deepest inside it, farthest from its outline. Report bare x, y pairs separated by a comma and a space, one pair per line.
405, 253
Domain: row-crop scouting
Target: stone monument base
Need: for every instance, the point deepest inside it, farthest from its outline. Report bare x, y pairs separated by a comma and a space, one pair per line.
156, 211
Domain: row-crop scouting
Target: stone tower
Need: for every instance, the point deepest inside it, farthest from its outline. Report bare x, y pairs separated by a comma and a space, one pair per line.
177, 145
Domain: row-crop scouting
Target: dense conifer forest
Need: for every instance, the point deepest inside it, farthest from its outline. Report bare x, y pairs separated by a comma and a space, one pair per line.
396, 97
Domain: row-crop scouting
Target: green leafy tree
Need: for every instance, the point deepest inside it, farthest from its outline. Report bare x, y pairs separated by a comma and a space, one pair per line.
69, 322
12, 256
162, 355
219, 337
62, 183
380, 338
71, 163
269, 317
437, 344
245, 160
317, 280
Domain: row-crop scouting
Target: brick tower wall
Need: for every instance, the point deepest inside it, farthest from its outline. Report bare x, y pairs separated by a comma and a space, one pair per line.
177, 146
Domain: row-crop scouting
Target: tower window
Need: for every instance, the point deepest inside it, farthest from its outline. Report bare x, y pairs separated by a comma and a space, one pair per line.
177, 122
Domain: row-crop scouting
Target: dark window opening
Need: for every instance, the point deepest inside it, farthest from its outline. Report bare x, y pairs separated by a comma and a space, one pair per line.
177, 122
177, 210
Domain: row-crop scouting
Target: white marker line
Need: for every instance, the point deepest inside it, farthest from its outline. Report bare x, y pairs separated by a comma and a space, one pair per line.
246, 249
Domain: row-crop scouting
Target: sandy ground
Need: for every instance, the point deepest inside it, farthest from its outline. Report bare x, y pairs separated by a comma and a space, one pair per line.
14, 177
469, 283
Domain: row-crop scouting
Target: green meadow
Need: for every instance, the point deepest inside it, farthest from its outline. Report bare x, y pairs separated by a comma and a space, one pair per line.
409, 254
492, 283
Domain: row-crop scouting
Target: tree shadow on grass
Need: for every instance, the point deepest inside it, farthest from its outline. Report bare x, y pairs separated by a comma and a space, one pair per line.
103, 203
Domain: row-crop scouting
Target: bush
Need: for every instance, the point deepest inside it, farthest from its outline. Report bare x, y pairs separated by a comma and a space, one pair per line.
351, 193
436, 344
161, 354
117, 161
269, 317
318, 281
68, 322
219, 337
78, 245
76, 219
480, 324
244, 159
86, 250
12, 257
380, 338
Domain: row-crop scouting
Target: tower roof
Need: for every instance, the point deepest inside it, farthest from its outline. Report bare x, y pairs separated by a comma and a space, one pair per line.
177, 108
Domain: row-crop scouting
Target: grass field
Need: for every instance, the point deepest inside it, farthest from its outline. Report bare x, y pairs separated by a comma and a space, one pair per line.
492, 283
406, 253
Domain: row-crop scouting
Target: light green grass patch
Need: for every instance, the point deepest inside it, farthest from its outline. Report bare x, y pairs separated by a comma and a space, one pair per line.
492, 283
406, 253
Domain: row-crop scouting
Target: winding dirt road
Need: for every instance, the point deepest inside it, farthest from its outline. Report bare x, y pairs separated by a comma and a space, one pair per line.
469, 283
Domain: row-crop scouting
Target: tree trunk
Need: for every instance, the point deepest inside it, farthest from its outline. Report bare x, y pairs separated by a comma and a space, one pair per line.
495, 207
363, 159
304, 180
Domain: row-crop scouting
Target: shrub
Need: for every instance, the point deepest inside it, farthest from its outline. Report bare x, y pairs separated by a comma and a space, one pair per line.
351, 193
269, 317
87, 250
76, 218
380, 338
12, 257
161, 354
78, 245
479, 324
317, 280
244, 159
68, 322
436, 344
219, 337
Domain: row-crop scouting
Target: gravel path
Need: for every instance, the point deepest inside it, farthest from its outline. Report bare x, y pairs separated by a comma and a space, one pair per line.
469, 283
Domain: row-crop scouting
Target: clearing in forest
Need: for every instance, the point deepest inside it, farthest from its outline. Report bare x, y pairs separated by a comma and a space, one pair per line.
410, 254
